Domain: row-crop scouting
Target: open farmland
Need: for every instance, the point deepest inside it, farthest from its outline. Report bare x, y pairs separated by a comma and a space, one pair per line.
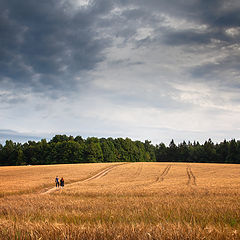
121, 201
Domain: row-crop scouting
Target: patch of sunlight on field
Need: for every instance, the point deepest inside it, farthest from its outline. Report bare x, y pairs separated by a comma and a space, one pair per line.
20, 179
123, 201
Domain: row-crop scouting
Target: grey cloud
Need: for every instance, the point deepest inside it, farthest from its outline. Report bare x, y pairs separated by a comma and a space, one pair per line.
216, 15
125, 63
9, 98
15, 136
215, 70
160, 101
213, 12
186, 38
229, 19
194, 37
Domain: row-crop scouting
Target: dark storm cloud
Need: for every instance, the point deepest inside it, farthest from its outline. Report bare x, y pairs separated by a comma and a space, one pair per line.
210, 25
45, 44
216, 15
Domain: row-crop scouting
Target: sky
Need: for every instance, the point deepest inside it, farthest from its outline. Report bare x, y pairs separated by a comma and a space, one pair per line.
156, 69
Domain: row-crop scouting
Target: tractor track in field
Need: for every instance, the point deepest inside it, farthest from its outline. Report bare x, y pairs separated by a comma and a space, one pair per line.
163, 174
160, 178
100, 174
191, 177
138, 172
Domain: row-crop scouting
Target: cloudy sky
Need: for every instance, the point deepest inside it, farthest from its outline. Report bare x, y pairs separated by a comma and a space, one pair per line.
155, 69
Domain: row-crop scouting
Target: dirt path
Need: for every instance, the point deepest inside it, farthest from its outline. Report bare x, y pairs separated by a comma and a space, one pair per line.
96, 176
191, 177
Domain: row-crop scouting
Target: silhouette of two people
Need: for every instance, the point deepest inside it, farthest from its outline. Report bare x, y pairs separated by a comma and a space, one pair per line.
59, 182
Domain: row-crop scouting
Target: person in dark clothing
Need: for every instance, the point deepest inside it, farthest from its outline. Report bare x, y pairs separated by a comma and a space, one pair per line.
62, 182
57, 181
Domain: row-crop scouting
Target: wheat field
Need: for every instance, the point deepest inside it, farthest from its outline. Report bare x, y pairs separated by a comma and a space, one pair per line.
121, 201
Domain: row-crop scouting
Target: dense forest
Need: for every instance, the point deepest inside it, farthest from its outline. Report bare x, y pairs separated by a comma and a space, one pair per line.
69, 149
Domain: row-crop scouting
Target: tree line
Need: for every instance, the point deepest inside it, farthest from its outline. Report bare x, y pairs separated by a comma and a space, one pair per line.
68, 149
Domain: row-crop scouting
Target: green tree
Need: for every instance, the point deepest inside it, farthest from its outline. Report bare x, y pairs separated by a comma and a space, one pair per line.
108, 150
172, 152
150, 151
222, 151
232, 156
9, 153
209, 151
183, 152
161, 153
93, 151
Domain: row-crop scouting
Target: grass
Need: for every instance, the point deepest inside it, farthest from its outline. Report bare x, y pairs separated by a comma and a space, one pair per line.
132, 201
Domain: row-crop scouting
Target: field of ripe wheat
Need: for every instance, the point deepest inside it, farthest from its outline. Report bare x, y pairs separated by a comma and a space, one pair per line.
121, 201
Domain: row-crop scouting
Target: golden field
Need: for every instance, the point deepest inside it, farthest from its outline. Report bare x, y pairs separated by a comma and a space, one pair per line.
121, 201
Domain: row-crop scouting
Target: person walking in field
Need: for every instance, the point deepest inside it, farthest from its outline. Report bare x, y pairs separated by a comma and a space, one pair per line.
62, 182
57, 181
